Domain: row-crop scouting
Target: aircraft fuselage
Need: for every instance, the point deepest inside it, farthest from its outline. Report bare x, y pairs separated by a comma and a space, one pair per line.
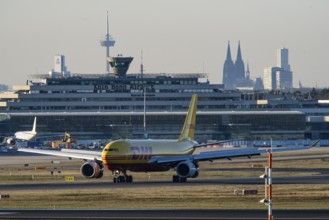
134, 155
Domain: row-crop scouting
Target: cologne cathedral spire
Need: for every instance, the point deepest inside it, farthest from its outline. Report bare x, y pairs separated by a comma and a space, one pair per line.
247, 72
228, 54
228, 70
234, 74
239, 65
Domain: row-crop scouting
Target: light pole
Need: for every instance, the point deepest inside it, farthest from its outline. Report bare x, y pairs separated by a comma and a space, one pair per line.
267, 176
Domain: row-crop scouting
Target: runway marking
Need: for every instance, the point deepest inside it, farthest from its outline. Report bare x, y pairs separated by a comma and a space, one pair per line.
8, 213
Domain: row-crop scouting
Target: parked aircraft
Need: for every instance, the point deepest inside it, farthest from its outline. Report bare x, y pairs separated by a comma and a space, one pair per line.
24, 135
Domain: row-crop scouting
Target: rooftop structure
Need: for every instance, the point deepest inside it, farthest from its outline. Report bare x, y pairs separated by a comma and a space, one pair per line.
120, 65
60, 69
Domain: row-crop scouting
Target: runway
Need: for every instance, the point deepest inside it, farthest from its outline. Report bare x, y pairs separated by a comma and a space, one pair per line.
314, 179
163, 214
276, 169
321, 178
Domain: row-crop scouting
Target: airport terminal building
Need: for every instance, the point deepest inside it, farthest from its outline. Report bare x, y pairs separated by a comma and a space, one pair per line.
112, 106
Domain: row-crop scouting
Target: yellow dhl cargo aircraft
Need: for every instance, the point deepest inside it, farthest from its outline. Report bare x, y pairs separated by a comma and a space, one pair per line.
148, 155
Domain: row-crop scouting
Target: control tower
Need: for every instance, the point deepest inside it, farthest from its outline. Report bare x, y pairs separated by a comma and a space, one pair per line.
107, 42
120, 65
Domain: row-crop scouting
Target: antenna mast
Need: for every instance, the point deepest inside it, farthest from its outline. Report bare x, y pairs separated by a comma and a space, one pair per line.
145, 134
107, 42
142, 66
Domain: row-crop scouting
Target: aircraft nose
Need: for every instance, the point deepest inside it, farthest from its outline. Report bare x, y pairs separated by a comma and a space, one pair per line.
115, 152
106, 155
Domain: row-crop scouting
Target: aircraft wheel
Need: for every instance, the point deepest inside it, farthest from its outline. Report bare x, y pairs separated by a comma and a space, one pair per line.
182, 179
115, 179
122, 179
175, 179
129, 179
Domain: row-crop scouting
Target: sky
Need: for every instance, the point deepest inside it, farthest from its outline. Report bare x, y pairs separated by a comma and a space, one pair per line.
176, 36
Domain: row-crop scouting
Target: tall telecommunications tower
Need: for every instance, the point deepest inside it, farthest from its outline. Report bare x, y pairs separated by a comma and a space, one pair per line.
107, 42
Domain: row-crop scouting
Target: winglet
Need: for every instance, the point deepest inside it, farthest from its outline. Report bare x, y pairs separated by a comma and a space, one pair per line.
314, 144
34, 125
189, 124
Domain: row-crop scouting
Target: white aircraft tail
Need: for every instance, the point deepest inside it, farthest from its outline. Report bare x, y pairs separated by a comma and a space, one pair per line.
189, 125
34, 129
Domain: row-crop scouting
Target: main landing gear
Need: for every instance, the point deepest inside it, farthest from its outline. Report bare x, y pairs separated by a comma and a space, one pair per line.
178, 179
121, 177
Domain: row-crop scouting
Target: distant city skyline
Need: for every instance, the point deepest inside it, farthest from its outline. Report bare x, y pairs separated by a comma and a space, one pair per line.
185, 36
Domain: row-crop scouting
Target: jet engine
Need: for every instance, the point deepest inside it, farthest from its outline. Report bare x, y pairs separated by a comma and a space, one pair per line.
187, 169
10, 141
92, 169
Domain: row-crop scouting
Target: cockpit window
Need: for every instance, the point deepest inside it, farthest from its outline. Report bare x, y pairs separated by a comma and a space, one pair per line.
114, 149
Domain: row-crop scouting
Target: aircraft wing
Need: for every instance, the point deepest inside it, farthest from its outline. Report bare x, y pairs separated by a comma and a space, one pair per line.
208, 156
85, 155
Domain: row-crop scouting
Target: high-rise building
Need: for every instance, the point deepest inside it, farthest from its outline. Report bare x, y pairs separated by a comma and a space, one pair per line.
271, 78
60, 70
286, 74
285, 79
279, 77
60, 64
282, 59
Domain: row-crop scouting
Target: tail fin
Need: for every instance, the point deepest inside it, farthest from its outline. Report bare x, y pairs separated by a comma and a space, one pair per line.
34, 125
189, 124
